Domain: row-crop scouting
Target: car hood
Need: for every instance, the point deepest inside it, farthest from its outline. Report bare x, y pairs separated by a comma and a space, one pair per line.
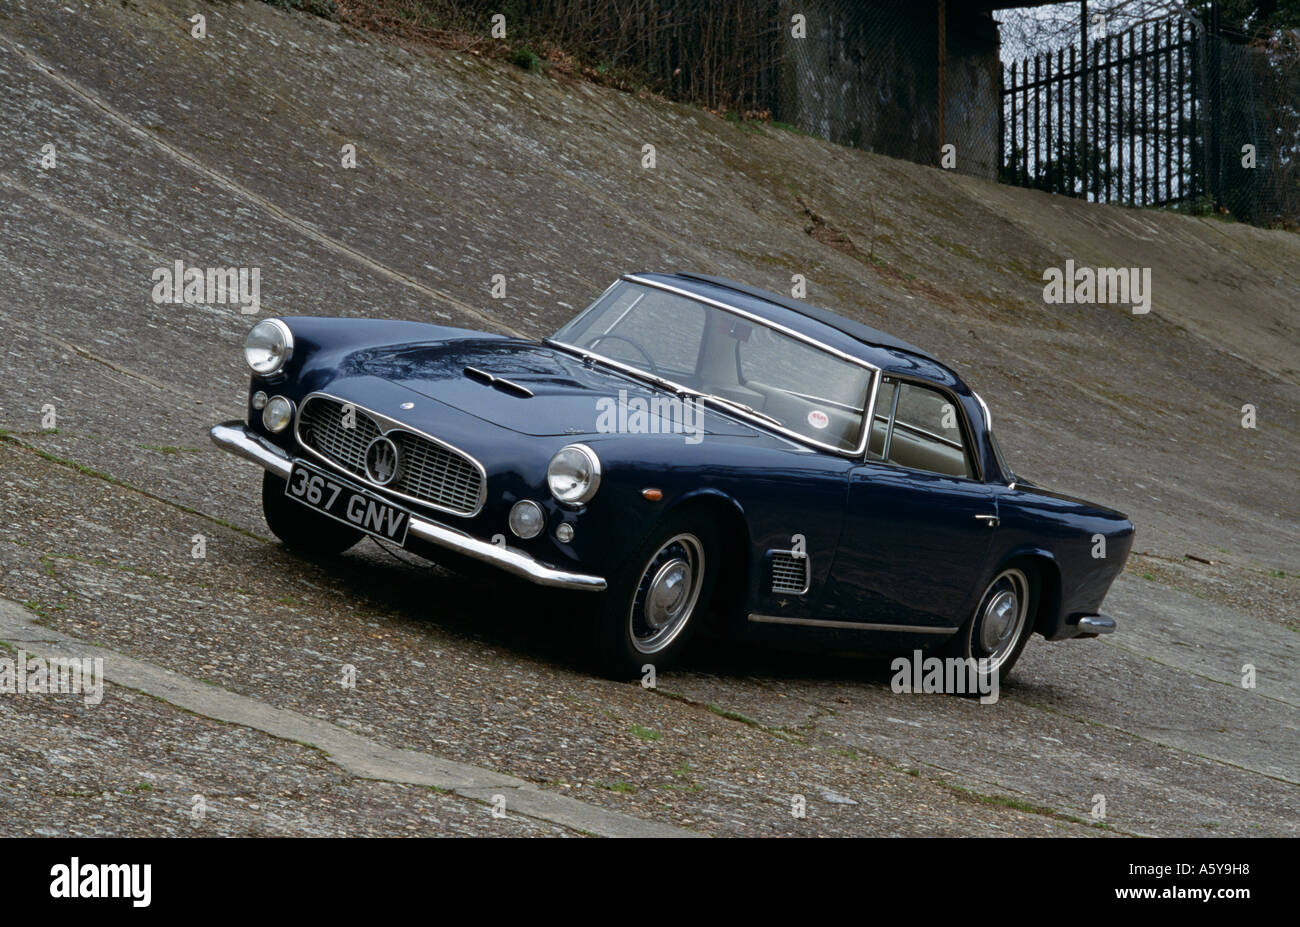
530, 388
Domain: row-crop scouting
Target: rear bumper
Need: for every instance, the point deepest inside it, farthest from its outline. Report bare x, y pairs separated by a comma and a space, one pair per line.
236, 438
1092, 625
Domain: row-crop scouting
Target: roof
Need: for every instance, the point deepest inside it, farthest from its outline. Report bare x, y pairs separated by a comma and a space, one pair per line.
864, 333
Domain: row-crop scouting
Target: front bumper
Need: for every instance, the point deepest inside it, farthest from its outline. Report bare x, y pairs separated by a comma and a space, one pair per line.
240, 441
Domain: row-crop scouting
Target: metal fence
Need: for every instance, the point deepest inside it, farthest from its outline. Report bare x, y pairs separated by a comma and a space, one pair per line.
1167, 113
1175, 112
1112, 120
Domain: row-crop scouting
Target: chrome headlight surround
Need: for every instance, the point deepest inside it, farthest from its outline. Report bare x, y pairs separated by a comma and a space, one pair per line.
573, 475
278, 414
527, 519
268, 347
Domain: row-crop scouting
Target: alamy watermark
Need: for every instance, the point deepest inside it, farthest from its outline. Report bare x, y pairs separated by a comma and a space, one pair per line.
241, 286
656, 415
61, 676
1113, 285
946, 675
76, 879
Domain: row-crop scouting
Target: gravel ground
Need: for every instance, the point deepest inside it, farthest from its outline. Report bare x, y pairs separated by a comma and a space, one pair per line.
224, 152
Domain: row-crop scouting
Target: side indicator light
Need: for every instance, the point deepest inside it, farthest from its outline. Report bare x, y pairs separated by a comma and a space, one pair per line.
654, 495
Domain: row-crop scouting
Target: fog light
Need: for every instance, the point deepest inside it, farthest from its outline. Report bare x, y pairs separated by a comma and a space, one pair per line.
527, 519
277, 415
259, 400
564, 533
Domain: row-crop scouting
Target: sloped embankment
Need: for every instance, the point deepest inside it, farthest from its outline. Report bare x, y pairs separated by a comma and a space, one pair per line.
468, 168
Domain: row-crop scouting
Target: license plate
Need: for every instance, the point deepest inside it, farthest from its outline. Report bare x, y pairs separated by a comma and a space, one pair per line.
347, 503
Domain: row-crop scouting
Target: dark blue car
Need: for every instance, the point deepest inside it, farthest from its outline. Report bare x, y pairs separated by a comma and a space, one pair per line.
687, 450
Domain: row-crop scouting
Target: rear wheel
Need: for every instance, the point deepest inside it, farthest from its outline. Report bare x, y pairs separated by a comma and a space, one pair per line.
299, 527
656, 602
1001, 626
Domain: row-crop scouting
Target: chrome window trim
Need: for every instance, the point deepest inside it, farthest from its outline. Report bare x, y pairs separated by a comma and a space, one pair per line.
393, 425
891, 421
988, 418
968, 433
998, 458
759, 320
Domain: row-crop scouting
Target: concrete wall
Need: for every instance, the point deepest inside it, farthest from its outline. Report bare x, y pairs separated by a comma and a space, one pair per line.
867, 75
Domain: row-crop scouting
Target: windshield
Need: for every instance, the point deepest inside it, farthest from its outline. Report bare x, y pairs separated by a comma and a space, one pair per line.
798, 386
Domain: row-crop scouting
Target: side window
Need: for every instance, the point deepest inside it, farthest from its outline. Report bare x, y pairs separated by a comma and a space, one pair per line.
924, 432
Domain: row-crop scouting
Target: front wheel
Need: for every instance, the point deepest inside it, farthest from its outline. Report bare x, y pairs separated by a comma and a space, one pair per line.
655, 604
299, 527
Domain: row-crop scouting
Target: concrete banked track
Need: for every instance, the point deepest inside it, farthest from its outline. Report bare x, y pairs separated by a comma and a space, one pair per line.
225, 151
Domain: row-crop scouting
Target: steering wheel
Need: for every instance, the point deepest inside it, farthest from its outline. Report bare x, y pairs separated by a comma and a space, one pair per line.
640, 350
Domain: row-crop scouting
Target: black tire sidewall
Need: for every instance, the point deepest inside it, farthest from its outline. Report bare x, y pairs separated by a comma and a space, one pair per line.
614, 653
962, 644
298, 527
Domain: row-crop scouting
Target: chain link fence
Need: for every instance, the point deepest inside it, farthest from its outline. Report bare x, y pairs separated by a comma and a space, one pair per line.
1255, 175
872, 75
1154, 107
866, 73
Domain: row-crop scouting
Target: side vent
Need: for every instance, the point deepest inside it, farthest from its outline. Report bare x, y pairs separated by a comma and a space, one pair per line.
791, 573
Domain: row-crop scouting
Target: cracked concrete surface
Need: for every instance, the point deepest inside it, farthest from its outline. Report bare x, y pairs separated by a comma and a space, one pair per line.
358, 756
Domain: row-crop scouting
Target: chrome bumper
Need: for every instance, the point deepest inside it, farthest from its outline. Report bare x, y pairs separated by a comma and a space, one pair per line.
236, 438
1092, 625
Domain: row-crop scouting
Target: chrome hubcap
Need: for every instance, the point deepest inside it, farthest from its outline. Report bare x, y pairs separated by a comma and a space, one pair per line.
666, 594
1001, 621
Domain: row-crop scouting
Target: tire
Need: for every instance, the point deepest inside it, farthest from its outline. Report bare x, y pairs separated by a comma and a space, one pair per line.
656, 602
1002, 623
298, 527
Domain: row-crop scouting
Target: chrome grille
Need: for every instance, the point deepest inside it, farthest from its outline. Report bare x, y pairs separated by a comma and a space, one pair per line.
789, 572
321, 427
433, 473
430, 473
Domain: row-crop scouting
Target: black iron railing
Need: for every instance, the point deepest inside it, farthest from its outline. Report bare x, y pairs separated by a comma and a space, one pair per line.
1116, 119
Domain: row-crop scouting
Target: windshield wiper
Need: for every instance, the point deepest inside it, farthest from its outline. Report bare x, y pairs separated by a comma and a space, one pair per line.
653, 378
742, 407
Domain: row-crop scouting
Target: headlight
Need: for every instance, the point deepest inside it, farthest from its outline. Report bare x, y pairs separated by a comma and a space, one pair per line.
527, 519
277, 415
268, 346
573, 474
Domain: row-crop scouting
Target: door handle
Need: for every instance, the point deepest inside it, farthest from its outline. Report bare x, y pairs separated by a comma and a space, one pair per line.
992, 520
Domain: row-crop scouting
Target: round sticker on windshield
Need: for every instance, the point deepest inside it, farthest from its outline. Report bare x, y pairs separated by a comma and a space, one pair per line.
818, 419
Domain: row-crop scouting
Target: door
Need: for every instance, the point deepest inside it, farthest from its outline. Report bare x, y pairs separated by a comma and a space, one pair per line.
919, 522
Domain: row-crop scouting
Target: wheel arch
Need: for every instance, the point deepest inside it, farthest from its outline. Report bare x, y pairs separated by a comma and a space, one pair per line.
1045, 582
731, 588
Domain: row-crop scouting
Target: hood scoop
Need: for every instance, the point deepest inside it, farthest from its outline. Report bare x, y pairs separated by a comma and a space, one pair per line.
500, 383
